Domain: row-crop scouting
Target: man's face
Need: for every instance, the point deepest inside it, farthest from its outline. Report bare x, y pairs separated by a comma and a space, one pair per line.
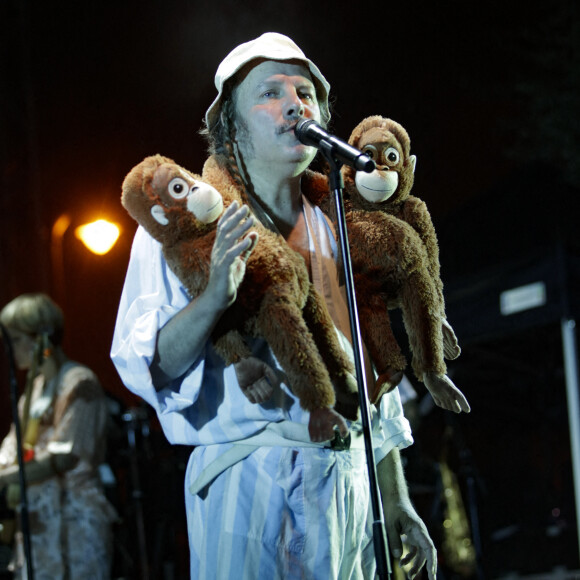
270, 100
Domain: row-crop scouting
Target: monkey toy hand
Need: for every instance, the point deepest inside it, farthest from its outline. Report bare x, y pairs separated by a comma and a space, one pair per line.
323, 422
445, 394
256, 379
451, 348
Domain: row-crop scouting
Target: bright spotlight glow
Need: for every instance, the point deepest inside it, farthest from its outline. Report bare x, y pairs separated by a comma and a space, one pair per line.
99, 236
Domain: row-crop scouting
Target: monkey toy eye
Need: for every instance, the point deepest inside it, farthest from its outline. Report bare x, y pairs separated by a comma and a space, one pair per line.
178, 188
370, 151
392, 155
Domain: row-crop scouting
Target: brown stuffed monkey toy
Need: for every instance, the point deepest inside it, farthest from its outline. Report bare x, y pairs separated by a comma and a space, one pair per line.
395, 258
275, 300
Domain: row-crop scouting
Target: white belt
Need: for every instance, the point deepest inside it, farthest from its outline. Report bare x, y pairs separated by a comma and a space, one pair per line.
283, 434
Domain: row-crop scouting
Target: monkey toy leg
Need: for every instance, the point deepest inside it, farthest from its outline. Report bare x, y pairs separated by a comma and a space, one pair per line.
340, 367
281, 323
422, 324
256, 382
382, 346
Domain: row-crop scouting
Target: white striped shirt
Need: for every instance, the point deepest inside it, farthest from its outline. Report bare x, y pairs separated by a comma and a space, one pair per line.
228, 525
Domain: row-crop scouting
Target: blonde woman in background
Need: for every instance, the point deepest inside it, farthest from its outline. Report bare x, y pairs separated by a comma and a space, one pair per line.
64, 416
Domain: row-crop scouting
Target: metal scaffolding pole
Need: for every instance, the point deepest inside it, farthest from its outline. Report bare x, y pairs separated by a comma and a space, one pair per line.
572, 384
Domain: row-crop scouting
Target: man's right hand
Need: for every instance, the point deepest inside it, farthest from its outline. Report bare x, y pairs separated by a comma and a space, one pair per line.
182, 339
232, 247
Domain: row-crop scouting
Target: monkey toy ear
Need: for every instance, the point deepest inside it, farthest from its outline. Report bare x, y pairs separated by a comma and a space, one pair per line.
413, 161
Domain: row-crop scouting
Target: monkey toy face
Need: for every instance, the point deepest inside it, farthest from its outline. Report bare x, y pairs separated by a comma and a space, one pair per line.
176, 188
387, 144
384, 149
169, 202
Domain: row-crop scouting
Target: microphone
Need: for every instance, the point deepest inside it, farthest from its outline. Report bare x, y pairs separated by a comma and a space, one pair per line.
311, 133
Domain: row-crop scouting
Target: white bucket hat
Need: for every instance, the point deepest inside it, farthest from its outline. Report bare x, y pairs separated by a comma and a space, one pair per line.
271, 46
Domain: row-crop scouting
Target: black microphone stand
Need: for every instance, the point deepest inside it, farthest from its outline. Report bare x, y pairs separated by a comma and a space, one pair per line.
24, 520
336, 184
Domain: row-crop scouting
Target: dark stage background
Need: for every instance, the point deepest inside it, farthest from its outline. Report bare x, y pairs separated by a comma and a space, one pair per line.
489, 93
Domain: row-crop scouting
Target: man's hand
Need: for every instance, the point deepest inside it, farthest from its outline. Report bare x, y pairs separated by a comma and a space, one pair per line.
231, 249
404, 524
182, 339
401, 519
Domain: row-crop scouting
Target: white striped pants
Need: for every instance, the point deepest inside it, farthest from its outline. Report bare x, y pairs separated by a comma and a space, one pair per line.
281, 513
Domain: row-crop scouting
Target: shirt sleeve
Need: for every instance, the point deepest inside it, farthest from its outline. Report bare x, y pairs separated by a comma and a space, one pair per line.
151, 296
390, 427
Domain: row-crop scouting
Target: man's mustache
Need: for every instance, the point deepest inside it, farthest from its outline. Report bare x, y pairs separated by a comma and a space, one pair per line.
289, 126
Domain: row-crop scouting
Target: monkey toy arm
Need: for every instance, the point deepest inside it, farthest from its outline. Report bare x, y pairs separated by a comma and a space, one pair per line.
416, 214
